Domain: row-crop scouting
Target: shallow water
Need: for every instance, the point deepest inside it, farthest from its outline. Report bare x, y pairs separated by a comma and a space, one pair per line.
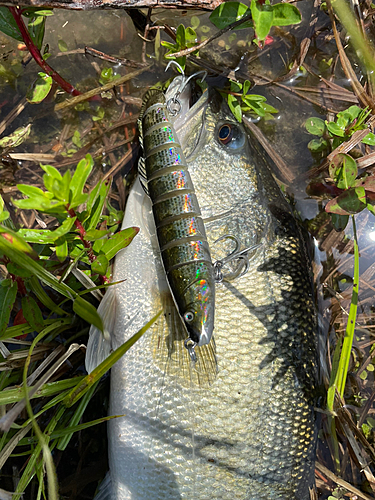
113, 33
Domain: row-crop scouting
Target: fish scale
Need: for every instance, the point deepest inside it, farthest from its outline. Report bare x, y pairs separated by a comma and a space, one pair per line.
240, 423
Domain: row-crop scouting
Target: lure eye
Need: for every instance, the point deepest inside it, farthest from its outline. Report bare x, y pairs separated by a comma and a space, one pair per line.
225, 134
231, 136
189, 316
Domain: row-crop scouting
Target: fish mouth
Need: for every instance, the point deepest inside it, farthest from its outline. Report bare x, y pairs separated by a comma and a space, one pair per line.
191, 116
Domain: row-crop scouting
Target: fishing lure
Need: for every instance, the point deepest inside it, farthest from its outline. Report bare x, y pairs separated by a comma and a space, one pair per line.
180, 229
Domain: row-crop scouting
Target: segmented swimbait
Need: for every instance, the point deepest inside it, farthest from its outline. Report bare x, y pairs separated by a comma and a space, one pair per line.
180, 228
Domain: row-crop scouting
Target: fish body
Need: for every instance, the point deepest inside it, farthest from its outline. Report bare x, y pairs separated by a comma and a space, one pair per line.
239, 423
179, 227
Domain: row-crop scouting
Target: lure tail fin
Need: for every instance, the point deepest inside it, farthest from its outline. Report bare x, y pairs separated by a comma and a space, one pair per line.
99, 345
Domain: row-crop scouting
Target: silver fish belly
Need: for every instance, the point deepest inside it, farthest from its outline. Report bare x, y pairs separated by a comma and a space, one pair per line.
180, 229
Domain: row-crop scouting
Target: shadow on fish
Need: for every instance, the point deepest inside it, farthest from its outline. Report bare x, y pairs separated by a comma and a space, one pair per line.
218, 395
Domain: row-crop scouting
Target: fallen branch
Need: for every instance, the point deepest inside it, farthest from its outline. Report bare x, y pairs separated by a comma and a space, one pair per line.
115, 4
91, 93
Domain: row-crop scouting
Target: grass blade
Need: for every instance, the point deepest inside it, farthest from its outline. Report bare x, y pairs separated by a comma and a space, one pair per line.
350, 327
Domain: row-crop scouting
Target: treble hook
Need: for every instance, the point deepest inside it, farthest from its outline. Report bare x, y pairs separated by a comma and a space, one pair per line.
190, 346
174, 104
236, 254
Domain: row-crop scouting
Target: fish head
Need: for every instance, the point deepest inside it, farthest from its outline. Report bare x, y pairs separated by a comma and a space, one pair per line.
206, 123
198, 315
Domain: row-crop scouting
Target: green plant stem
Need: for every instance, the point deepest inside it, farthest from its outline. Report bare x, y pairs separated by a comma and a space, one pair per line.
343, 367
341, 357
360, 42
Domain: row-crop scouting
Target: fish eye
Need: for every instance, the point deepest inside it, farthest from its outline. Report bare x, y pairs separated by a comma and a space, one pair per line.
189, 316
231, 136
225, 134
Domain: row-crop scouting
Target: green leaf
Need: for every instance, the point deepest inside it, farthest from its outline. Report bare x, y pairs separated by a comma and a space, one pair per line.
52, 171
61, 249
63, 47
45, 299
33, 191
118, 241
343, 120
262, 18
339, 222
40, 88
369, 139
315, 126
8, 296
235, 86
32, 313
9, 237
4, 214
334, 129
93, 196
235, 107
195, 22
8, 24
78, 181
114, 216
41, 204
98, 245
317, 145
100, 265
16, 138
76, 139
246, 87
251, 98
36, 29
180, 36
18, 270
343, 169
23, 329
96, 234
285, 14
46, 236
256, 106
80, 306
229, 12
353, 112
351, 201
190, 37
88, 312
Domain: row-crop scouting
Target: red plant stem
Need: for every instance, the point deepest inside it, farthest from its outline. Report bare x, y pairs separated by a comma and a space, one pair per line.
82, 234
21, 284
34, 51
86, 244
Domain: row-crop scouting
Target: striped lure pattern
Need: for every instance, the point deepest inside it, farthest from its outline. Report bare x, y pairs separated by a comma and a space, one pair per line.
179, 225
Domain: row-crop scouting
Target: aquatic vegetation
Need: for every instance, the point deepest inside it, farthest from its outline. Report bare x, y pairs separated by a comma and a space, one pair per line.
38, 263
332, 134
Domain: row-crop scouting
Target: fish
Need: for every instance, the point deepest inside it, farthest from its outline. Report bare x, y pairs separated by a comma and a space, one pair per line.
180, 230
239, 422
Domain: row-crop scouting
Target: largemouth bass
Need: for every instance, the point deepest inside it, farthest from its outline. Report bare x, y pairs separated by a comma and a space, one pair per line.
239, 423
